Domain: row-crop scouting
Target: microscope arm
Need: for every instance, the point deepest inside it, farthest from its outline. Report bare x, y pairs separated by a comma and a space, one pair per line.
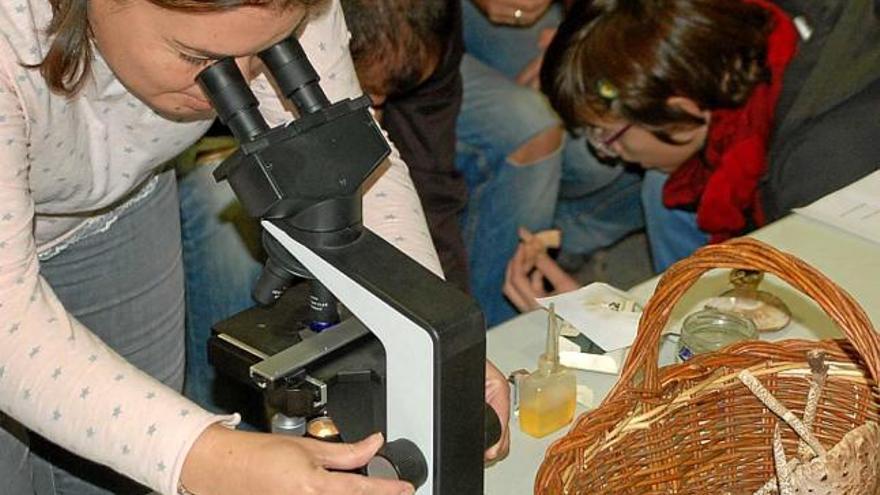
434, 341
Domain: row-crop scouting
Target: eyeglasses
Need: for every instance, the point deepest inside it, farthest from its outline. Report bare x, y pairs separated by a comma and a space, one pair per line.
602, 139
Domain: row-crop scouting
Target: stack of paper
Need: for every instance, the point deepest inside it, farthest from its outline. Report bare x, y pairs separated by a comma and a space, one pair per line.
855, 208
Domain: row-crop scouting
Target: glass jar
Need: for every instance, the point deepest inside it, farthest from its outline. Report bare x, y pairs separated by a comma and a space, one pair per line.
709, 329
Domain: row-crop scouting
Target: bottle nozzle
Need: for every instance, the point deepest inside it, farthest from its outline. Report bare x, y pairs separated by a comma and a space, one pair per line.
551, 350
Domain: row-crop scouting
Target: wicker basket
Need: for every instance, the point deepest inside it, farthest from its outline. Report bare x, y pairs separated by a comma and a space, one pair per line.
694, 427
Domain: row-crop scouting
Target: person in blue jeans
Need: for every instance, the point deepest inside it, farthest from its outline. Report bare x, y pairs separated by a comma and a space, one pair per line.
521, 167
673, 234
221, 262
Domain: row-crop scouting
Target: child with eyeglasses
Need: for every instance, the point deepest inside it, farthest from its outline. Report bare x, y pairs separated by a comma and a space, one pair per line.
739, 110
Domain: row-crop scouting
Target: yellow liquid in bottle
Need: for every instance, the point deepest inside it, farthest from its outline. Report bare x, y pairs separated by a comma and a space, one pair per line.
547, 403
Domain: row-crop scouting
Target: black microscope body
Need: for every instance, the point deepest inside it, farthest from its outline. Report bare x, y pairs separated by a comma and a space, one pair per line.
408, 358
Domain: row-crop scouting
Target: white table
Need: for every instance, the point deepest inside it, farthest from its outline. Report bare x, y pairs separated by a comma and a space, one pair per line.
852, 262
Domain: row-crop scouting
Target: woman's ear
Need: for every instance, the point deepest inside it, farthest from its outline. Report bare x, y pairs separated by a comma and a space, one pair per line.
687, 105
690, 107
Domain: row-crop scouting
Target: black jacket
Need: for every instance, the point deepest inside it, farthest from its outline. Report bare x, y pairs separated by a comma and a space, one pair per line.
422, 125
827, 131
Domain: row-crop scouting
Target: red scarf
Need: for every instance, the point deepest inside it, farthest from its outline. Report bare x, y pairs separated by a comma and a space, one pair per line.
725, 186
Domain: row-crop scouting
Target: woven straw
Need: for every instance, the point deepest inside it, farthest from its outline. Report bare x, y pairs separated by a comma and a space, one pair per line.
694, 427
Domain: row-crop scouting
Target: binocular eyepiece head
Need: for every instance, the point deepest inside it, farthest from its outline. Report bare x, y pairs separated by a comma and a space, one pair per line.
235, 103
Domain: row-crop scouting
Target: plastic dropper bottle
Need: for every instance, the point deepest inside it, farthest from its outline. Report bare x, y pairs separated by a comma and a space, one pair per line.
547, 396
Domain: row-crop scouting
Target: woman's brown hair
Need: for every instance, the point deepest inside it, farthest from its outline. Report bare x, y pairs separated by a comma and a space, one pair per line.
66, 65
625, 58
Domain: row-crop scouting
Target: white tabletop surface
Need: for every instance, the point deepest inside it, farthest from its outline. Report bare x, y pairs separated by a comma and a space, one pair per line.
852, 262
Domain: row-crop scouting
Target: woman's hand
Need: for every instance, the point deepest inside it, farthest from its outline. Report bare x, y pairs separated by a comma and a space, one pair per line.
498, 397
513, 12
528, 272
229, 462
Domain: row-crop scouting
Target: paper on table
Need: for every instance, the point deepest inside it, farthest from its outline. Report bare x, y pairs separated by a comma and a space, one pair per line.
606, 315
570, 356
855, 208
589, 362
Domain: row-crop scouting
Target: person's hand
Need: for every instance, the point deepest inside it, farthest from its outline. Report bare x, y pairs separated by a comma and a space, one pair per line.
531, 74
498, 397
513, 12
228, 462
528, 272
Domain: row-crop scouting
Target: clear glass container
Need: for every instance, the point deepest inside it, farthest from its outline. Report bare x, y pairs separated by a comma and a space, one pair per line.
708, 330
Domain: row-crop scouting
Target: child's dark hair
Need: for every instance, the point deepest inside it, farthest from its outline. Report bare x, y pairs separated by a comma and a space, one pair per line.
402, 36
615, 59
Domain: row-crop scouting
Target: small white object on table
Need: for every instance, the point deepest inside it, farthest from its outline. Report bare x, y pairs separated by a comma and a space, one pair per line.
851, 261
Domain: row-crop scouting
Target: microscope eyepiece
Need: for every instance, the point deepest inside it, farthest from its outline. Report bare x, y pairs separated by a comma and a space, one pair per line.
234, 101
289, 65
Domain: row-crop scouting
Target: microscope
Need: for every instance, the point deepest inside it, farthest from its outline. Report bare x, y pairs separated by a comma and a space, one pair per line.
408, 355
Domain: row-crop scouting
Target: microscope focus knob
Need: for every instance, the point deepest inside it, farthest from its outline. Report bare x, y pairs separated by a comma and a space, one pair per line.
400, 459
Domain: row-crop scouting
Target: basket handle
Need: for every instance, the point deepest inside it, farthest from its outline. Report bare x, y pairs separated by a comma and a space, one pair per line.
746, 253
